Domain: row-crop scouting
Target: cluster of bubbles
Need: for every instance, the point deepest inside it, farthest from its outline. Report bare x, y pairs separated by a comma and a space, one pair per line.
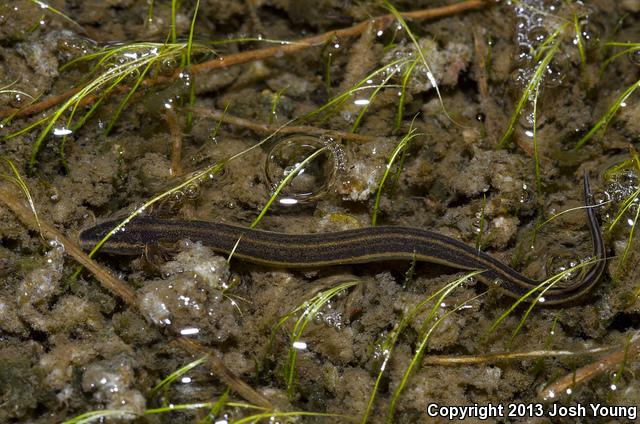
329, 316
622, 189
569, 268
536, 21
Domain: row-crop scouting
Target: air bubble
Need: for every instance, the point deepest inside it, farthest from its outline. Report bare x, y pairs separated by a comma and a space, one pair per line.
168, 65
634, 56
554, 75
526, 195
192, 191
564, 265
590, 32
316, 177
537, 36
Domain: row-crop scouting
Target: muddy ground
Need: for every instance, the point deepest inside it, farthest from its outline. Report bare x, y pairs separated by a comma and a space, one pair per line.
70, 346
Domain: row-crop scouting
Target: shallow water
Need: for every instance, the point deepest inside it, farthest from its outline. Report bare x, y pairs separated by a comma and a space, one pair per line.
69, 346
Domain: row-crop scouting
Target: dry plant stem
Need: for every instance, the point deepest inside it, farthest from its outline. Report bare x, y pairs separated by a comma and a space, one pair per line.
25, 215
507, 356
486, 102
120, 289
607, 363
176, 142
267, 52
270, 129
480, 54
224, 374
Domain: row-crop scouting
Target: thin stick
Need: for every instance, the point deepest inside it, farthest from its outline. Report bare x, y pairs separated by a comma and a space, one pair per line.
124, 292
507, 356
176, 142
270, 129
267, 52
629, 352
25, 215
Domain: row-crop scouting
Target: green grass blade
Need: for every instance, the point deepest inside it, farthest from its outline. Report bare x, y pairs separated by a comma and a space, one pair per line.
310, 310
126, 99
550, 47
373, 95
396, 151
539, 292
403, 93
423, 59
174, 12
167, 381
579, 43
17, 180
536, 156
604, 121
425, 338
55, 11
340, 99
390, 341
101, 416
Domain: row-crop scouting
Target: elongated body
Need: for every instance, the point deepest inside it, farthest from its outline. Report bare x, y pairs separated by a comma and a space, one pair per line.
362, 245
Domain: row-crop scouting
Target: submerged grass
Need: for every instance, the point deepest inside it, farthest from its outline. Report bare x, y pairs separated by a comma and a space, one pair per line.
17, 180
603, 122
544, 54
629, 202
386, 72
400, 149
609, 114
630, 205
430, 324
387, 346
7, 90
261, 414
167, 381
406, 76
308, 311
536, 296
423, 59
47, 6
114, 66
536, 156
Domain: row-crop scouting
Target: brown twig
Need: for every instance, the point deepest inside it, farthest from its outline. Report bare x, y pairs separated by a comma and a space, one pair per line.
507, 356
25, 215
270, 129
124, 292
265, 53
614, 360
176, 142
